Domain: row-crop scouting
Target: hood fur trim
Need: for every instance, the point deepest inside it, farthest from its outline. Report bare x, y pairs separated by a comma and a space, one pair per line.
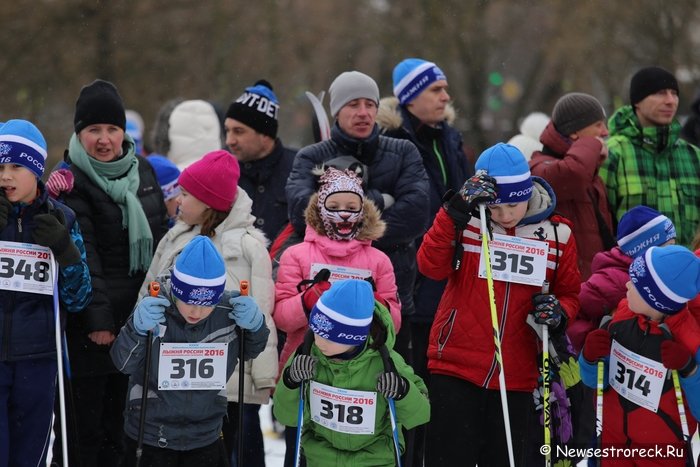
389, 117
372, 227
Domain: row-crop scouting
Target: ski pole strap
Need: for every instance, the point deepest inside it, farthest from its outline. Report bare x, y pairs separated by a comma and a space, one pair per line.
321, 276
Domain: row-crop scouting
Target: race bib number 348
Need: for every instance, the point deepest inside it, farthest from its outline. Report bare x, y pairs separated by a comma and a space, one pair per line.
26, 267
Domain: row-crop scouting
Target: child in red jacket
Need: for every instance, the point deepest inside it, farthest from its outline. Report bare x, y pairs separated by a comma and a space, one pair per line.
530, 245
650, 332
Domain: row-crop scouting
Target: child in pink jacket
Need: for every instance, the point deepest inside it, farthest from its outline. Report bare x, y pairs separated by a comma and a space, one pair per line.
340, 227
639, 229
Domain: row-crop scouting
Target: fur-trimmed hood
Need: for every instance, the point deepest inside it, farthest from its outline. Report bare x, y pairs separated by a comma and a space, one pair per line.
389, 116
372, 227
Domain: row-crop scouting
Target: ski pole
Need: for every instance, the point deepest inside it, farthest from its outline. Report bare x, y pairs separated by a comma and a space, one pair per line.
153, 291
545, 385
384, 352
681, 413
496, 331
305, 350
244, 286
59, 360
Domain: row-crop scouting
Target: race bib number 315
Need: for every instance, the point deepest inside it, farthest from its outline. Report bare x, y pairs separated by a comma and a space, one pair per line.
516, 259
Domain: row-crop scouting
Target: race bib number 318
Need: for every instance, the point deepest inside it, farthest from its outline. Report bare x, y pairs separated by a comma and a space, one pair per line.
343, 410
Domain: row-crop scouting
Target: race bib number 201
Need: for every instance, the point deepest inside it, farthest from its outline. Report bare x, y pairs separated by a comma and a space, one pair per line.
26, 267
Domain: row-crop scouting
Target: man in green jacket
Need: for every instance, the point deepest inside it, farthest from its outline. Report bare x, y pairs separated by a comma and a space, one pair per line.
647, 162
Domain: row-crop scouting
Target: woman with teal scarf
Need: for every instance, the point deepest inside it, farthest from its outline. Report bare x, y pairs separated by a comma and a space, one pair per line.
119, 205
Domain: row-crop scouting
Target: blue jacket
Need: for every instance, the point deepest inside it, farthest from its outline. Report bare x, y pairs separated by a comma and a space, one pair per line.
27, 320
393, 167
397, 122
264, 181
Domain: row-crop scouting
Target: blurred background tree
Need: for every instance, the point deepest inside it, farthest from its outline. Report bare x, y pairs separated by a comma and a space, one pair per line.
503, 59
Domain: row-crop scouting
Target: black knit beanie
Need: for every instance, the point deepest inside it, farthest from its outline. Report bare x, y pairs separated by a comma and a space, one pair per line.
257, 107
649, 80
99, 102
575, 111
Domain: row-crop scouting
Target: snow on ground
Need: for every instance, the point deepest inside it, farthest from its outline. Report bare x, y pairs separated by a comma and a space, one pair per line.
274, 444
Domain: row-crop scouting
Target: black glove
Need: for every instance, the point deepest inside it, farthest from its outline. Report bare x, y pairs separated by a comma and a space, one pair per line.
392, 385
303, 368
5, 208
548, 311
480, 188
50, 230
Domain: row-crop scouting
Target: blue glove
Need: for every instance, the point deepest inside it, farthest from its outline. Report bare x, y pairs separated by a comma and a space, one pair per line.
246, 313
149, 313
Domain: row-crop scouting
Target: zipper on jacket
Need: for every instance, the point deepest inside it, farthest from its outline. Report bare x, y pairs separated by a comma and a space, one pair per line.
19, 224
450, 322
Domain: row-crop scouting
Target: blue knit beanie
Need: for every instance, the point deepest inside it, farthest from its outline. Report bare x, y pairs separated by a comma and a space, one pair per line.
167, 174
666, 277
509, 167
412, 76
22, 143
642, 227
199, 274
344, 312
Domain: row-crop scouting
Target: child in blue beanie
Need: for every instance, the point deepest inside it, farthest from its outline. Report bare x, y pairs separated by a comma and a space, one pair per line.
346, 414
530, 245
651, 332
29, 220
195, 349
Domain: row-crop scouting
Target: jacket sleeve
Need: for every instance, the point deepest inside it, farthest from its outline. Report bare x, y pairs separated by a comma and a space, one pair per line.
568, 282
589, 371
597, 297
75, 284
128, 351
571, 175
414, 408
608, 173
98, 315
407, 219
285, 401
386, 288
289, 312
300, 186
263, 369
437, 249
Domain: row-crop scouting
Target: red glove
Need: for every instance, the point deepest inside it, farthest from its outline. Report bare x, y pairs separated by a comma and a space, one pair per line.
312, 294
597, 345
675, 356
60, 181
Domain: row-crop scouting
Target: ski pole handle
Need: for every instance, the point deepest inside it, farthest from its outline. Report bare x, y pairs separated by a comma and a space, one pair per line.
153, 289
244, 288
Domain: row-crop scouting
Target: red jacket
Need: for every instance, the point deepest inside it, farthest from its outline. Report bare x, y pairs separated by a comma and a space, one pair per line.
571, 168
461, 338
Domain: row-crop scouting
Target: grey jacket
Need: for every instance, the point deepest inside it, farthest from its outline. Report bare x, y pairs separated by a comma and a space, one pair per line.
179, 420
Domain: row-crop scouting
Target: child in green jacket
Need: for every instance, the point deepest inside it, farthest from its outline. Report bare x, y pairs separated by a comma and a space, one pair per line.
346, 413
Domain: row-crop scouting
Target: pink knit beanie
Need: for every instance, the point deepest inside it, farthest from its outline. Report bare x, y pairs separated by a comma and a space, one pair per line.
213, 180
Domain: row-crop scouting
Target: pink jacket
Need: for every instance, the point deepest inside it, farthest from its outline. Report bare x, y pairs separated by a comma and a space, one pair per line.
295, 266
601, 293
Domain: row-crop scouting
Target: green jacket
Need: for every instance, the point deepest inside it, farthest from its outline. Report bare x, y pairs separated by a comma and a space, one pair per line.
324, 447
654, 167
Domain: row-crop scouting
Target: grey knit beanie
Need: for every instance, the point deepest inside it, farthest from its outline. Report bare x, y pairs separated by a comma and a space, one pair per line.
351, 85
575, 111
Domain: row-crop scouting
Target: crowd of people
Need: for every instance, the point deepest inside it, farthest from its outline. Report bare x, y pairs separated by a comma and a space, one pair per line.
395, 302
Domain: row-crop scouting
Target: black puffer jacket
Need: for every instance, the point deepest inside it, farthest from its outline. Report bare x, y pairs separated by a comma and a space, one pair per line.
107, 247
395, 168
395, 121
264, 181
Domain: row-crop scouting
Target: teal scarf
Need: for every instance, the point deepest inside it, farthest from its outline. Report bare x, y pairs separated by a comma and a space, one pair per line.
120, 180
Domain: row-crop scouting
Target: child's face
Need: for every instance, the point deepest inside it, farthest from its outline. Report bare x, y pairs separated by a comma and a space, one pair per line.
508, 215
193, 313
639, 306
330, 348
102, 141
342, 214
19, 183
191, 210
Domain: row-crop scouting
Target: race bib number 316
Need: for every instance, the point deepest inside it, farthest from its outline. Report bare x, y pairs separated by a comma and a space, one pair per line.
189, 366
